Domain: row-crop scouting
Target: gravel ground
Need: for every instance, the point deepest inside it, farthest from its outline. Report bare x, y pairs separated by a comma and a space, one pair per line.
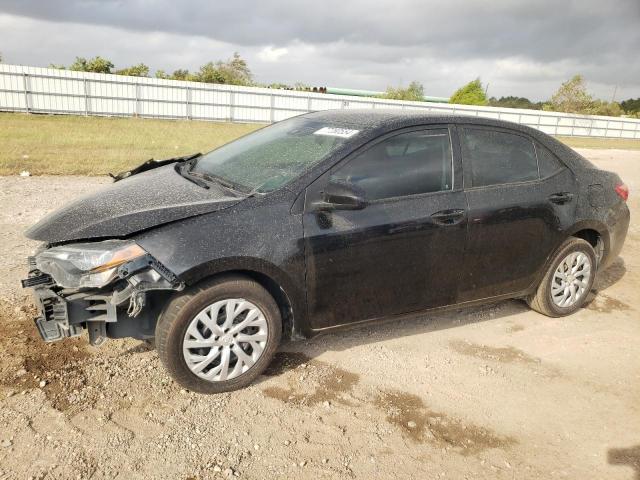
495, 392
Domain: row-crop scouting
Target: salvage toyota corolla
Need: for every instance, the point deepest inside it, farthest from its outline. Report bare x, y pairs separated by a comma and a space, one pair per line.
321, 221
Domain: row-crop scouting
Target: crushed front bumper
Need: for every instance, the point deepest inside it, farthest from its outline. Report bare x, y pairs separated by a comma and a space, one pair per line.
128, 306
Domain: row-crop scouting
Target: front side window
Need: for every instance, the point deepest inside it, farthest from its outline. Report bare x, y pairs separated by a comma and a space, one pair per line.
499, 157
268, 158
406, 164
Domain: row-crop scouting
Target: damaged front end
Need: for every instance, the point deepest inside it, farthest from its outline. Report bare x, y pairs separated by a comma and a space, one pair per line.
112, 288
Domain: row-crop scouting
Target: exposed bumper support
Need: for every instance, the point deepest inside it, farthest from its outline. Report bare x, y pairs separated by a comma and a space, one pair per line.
53, 322
66, 313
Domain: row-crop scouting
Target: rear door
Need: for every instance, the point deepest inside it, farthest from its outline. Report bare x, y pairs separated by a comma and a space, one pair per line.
403, 251
520, 200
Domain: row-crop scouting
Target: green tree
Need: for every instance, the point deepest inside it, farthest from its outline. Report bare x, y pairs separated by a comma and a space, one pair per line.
470, 94
571, 97
183, 75
631, 106
414, 93
208, 73
610, 109
140, 70
234, 71
96, 65
514, 102
278, 86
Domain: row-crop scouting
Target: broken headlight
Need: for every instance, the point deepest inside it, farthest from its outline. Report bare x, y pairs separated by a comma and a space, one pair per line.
87, 265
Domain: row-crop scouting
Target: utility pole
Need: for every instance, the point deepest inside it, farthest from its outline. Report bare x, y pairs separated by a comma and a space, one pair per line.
613, 97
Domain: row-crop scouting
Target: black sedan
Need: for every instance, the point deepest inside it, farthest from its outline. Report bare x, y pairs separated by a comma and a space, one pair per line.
321, 221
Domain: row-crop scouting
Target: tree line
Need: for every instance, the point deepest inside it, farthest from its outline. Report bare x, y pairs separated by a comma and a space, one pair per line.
571, 97
233, 71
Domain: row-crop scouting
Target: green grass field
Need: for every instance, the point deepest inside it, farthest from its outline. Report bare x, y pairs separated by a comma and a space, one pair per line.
75, 145
587, 142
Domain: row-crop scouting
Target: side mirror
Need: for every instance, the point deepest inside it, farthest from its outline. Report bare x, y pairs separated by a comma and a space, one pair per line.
340, 196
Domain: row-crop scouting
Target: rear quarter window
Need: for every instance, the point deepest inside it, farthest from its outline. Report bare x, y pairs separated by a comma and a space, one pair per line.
548, 163
574, 159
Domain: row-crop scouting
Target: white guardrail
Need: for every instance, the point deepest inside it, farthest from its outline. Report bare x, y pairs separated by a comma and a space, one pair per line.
47, 90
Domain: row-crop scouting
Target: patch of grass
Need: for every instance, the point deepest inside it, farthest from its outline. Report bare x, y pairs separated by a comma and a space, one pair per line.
589, 142
76, 145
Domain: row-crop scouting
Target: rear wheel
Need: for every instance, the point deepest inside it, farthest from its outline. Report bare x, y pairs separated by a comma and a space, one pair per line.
219, 336
568, 281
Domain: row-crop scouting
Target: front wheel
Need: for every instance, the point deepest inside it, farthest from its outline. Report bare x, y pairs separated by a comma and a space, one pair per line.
219, 336
567, 283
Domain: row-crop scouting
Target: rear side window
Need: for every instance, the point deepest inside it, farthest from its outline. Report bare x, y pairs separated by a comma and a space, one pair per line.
548, 163
406, 164
499, 157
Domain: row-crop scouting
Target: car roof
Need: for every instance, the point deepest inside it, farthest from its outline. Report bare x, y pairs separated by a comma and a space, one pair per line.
371, 118
374, 118
391, 119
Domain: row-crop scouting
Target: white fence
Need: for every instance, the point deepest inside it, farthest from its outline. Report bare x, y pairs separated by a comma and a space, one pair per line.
46, 90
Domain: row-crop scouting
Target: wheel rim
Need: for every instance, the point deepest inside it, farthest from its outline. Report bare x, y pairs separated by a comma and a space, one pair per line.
571, 279
225, 339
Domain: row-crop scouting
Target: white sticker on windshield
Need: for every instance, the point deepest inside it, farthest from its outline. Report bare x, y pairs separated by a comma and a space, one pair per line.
336, 132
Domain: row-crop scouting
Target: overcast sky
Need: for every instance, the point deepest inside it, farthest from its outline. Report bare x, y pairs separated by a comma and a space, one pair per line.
523, 48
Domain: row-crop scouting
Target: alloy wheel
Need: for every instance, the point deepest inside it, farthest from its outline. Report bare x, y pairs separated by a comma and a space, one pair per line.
225, 339
571, 279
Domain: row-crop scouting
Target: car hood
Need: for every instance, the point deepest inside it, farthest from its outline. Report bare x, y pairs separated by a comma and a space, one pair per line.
137, 203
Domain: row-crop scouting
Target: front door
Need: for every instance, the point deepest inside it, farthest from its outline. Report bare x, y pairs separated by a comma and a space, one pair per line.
403, 251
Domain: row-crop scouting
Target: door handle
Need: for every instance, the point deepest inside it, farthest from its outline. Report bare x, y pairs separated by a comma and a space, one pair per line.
561, 197
448, 217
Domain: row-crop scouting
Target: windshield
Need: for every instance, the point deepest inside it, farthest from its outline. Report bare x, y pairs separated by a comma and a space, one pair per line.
268, 158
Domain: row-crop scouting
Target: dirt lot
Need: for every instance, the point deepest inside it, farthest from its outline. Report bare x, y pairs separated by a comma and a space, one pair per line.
493, 392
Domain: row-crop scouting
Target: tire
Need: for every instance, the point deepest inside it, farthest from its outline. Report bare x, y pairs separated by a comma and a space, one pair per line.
195, 309
542, 300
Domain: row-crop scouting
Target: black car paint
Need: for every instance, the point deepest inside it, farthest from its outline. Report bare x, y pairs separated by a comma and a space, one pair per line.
361, 263
514, 226
333, 268
130, 205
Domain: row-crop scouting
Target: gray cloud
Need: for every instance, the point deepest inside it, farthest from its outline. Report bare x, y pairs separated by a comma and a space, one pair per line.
521, 48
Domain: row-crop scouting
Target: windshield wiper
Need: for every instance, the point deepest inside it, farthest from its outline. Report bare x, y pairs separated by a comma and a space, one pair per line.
216, 179
188, 170
184, 169
233, 187
203, 179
